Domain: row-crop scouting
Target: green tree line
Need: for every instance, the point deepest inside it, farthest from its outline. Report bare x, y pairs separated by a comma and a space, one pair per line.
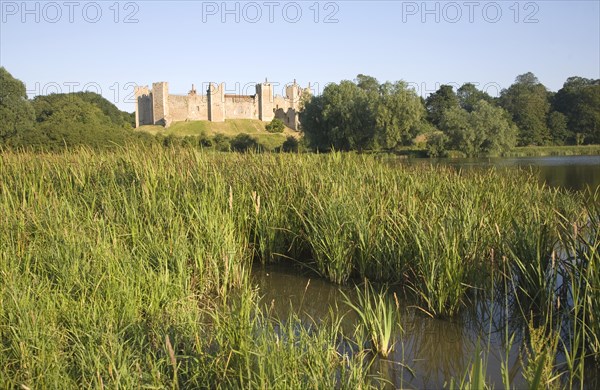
365, 115
58, 120
362, 114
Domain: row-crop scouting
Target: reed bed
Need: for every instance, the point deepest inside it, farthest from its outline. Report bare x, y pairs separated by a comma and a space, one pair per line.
130, 268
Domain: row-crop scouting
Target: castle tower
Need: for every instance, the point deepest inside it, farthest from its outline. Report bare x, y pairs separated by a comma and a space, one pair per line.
216, 102
143, 106
293, 93
265, 101
160, 104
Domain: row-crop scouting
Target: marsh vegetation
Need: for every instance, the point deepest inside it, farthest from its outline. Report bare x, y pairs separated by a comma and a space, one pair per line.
132, 267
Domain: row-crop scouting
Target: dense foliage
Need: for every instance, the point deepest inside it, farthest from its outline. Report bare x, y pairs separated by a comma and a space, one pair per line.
484, 130
362, 115
366, 115
527, 101
16, 113
275, 126
58, 120
579, 101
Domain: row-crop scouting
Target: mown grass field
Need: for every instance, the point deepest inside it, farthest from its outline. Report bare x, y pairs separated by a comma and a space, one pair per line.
130, 268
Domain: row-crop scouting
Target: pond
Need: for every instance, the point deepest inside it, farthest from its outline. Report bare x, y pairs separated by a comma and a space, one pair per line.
573, 173
435, 350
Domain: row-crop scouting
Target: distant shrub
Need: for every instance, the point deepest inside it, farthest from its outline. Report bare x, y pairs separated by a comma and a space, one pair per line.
221, 142
436, 144
275, 126
172, 141
244, 142
189, 141
143, 138
290, 145
204, 141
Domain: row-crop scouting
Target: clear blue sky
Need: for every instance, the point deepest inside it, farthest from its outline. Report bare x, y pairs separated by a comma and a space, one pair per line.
71, 45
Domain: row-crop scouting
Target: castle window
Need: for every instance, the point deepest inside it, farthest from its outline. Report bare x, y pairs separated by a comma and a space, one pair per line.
273, 111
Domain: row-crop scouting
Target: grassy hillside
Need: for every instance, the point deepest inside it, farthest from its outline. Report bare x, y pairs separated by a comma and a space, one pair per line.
229, 128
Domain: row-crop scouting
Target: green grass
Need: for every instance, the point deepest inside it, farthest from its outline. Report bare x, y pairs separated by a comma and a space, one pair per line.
229, 128
130, 268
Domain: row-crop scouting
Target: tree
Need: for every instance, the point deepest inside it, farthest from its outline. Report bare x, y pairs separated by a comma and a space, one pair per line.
118, 117
341, 118
275, 126
436, 103
578, 100
485, 130
468, 96
500, 134
68, 120
398, 114
557, 125
589, 113
243, 143
367, 83
527, 102
16, 114
436, 144
362, 115
314, 127
455, 124
528, 79
290, 145
58, 120
221, 142
350, 115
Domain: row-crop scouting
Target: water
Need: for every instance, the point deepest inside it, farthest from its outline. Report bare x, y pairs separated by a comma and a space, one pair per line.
435, 350
574, 173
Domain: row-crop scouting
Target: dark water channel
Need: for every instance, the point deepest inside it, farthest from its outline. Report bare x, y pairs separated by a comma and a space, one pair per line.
435, 350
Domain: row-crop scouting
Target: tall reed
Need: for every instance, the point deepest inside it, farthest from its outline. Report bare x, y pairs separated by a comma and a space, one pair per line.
104, 256
378, 314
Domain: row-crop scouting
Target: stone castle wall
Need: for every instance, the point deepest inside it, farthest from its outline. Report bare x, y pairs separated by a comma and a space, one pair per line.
188, 108
157, 107
241, 107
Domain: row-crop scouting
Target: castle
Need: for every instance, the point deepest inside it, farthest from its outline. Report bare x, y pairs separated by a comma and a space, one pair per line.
157, 107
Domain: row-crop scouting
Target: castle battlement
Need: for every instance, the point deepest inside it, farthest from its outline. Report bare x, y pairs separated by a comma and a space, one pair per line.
155, 106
